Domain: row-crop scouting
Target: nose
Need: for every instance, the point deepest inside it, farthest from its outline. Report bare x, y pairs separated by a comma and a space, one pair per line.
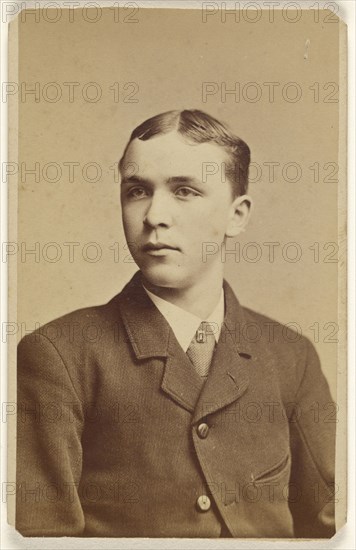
158, 213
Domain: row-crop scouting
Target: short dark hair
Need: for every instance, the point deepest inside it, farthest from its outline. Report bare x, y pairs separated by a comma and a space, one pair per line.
199, 127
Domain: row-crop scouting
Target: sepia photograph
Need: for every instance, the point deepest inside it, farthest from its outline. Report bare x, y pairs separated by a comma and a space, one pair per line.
177, 271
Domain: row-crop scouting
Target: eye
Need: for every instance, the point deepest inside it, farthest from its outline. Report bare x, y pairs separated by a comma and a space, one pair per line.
186, 192
137, 193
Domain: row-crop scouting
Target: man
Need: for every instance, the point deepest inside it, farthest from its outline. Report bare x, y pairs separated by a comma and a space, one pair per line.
171, 419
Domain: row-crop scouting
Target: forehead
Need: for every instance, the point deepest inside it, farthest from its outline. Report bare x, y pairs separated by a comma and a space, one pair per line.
171, 155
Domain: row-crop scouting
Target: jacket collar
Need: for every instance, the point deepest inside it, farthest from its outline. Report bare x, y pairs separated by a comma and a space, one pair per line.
147, 329
151, 336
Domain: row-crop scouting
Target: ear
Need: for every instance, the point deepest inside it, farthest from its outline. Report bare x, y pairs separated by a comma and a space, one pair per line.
239, 215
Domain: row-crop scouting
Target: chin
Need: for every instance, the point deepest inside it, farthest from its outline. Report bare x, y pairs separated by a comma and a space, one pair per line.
164, 276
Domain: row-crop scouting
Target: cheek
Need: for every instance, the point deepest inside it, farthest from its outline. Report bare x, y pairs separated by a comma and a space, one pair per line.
130, 218
209, 227
216, 222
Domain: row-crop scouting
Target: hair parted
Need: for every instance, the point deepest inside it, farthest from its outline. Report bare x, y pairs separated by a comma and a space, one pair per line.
199, 127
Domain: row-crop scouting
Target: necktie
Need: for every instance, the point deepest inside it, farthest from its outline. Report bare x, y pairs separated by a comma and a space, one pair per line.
201, 348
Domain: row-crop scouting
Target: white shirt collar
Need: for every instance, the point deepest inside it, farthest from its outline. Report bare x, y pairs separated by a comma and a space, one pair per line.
185, 324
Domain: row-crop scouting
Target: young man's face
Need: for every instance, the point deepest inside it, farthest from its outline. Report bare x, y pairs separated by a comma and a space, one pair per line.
170, 209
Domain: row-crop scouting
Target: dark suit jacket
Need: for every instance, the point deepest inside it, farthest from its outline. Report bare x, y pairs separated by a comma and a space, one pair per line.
110, 435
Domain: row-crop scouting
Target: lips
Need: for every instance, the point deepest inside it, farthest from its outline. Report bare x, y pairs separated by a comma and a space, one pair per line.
151, 247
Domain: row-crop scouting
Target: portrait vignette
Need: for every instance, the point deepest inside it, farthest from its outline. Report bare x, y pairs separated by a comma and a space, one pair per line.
115, 251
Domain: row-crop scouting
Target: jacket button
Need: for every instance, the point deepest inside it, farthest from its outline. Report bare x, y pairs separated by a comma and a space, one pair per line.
203, 430
203, 503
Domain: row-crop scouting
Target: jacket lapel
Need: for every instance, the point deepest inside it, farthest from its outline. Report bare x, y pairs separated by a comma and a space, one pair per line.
180, 381
228, 377
151, 336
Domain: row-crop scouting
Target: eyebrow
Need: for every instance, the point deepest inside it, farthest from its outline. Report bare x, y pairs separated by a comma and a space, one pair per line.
174, 179
184, 179
134, 179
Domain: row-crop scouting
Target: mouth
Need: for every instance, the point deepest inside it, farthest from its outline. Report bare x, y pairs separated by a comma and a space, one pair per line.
159, 248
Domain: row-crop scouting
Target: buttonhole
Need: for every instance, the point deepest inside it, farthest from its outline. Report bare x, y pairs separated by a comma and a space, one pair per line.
232, 378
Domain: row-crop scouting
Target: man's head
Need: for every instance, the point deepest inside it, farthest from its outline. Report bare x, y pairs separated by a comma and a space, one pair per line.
172, 207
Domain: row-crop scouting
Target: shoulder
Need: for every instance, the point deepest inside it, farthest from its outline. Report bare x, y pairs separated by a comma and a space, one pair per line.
262, 334
73, 350
80, 329
274, 332
284, 346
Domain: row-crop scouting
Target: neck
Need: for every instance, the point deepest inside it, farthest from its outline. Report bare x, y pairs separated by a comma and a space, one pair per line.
199, 299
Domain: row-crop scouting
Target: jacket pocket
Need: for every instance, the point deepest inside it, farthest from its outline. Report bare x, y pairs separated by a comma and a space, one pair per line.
273, 472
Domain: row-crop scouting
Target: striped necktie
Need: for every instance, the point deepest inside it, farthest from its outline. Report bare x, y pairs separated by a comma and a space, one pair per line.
201, 348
